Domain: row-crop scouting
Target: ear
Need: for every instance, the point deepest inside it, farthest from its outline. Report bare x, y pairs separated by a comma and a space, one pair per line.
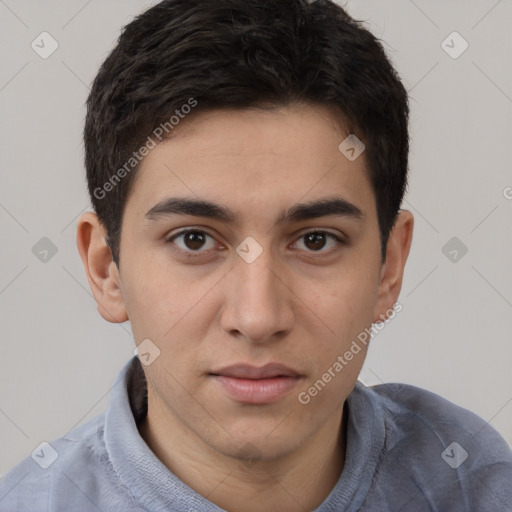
101, 270
397, 251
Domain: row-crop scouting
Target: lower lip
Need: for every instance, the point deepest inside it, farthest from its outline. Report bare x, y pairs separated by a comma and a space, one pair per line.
257, 391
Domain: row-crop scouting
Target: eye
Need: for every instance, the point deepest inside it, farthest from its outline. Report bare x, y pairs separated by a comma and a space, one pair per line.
315, 241
192, 240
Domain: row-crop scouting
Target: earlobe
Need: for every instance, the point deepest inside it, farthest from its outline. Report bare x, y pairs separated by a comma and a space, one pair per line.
102, 273
397, 251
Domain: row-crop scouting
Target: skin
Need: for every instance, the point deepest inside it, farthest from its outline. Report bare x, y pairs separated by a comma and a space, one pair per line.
298, 303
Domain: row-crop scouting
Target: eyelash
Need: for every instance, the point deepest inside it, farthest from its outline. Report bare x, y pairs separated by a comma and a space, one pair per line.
193, 254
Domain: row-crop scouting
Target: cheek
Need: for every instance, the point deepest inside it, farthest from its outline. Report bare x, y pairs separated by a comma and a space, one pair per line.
159, 299
345, 303
337, 358
176, 319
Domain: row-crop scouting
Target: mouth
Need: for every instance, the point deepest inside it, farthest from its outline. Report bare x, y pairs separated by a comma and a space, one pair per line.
251, 385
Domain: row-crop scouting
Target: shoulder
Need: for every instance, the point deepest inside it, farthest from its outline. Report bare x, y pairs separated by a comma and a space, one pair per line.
430, 412
60, 467
442, 453
419, 414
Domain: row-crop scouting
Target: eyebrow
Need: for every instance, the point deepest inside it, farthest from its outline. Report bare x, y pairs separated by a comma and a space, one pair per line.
300, 211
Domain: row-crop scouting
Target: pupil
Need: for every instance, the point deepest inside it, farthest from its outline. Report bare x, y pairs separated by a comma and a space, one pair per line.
317, 239
194, 240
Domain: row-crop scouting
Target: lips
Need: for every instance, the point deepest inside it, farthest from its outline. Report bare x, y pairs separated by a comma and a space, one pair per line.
245, 371
251, 385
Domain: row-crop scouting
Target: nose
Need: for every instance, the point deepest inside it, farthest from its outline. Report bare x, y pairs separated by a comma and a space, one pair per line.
258, 304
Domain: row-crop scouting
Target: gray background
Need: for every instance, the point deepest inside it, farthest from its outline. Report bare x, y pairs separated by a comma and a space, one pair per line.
453, 336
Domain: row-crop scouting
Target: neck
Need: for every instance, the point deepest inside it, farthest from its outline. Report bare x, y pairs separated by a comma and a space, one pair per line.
298, 481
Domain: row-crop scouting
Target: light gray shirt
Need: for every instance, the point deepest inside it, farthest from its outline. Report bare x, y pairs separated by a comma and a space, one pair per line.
407, 450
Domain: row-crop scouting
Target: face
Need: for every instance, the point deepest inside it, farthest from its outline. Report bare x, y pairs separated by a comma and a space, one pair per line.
267, 277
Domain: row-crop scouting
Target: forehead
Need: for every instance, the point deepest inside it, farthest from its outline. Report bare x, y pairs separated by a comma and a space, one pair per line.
254, 159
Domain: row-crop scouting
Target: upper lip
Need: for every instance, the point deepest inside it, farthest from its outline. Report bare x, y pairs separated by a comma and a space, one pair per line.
246, 371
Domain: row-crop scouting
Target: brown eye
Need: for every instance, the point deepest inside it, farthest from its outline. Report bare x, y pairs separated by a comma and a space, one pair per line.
315, 241
192, 241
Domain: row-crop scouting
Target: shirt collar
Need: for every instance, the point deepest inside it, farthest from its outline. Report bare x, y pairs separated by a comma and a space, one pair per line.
155, 487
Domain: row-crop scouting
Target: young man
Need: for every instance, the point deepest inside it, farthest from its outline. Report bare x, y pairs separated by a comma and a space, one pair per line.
246, 162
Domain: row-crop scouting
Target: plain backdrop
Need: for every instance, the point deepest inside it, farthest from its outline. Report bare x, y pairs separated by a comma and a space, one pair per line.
59, 358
